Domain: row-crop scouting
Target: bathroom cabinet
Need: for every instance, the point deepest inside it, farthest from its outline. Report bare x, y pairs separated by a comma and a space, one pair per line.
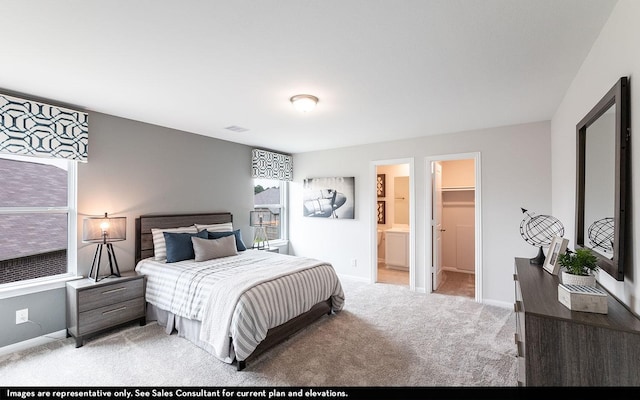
397, 249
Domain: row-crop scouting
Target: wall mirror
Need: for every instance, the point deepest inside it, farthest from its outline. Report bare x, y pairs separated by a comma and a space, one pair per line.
602, 179
401, 199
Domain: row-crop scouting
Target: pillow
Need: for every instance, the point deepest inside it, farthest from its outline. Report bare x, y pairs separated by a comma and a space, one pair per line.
159, 246
179, 246
239, 243
227, 226
208, 249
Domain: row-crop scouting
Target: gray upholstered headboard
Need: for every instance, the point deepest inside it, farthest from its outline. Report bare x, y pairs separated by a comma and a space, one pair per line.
144, 224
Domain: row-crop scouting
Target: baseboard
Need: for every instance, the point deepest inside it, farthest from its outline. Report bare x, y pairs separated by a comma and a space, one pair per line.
497, 303
37, 341
354, 278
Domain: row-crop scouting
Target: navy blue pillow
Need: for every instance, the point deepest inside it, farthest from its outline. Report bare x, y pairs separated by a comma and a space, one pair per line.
179, 246
239, 243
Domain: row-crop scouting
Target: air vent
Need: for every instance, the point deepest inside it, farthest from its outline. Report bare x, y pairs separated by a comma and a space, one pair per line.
236, 128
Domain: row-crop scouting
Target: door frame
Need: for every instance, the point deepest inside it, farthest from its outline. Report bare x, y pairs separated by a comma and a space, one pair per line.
373, 218
478, 218
436, 265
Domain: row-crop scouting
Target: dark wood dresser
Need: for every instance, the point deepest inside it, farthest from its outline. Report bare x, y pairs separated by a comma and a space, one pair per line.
95, 306
560, 347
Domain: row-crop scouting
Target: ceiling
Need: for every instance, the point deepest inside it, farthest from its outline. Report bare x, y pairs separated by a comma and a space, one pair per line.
382, 69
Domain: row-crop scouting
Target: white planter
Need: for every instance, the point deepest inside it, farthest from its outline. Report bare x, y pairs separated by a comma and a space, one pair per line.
583, 280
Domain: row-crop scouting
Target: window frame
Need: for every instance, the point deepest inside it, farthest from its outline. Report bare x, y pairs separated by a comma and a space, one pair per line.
284, 207
30, 285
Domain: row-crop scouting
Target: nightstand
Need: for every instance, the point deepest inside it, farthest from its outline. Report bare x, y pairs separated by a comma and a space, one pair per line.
96, 306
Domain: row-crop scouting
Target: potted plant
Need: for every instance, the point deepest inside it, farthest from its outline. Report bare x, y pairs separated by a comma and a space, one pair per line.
579, 267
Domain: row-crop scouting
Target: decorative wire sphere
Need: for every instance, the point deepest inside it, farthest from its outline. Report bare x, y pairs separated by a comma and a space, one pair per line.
539, 230
601, 234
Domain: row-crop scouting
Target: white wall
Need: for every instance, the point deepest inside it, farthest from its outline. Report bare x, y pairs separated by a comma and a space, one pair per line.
616, 53
515, 173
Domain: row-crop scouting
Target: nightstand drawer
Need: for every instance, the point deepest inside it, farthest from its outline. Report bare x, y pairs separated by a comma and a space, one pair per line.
105, 295
111, 315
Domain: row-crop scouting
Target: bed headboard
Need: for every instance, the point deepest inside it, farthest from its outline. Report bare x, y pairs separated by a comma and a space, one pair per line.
144, 224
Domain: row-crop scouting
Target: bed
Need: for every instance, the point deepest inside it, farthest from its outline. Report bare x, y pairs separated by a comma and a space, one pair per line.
232, 301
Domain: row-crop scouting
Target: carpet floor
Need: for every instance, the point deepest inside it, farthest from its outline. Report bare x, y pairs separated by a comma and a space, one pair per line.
386, 335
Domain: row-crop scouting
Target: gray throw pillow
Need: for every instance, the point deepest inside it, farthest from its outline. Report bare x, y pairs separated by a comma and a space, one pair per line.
208, 249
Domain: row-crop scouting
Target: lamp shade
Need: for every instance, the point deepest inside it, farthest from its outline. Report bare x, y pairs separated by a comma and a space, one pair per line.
104, 229
260, 218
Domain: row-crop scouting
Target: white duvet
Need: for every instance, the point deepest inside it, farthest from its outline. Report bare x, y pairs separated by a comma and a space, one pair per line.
239, 298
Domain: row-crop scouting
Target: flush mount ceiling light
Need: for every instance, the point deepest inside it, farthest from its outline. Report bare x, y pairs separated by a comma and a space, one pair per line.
304, 102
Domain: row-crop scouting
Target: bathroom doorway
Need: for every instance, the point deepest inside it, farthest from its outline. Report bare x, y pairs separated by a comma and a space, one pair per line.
394, 236
455, 250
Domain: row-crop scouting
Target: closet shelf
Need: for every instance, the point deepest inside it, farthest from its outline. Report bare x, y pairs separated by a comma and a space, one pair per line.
457, 188
458, 204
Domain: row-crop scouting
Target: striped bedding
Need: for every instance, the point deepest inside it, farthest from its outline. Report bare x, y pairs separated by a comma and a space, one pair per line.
239, 298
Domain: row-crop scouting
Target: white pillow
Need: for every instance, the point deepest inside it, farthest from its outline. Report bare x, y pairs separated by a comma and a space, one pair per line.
208, 249
225, 227
159, 245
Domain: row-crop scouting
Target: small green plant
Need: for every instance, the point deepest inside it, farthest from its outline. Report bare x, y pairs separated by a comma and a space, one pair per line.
580, 262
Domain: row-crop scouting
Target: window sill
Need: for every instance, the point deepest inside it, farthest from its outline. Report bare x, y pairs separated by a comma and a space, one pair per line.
36, 285
278, 243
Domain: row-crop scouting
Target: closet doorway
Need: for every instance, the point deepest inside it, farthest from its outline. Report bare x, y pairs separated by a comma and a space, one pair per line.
394, 235
455, 221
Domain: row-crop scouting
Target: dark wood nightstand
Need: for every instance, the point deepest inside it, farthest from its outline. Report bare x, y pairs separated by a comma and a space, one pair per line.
96, 306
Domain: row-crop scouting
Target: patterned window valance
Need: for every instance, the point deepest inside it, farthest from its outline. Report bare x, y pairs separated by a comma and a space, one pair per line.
269, 165
28, 127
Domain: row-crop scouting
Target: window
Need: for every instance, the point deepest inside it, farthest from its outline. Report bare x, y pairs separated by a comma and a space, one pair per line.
271, 195
37, 217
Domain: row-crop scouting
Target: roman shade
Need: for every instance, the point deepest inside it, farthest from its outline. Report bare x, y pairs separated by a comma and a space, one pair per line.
268, 165
29, 127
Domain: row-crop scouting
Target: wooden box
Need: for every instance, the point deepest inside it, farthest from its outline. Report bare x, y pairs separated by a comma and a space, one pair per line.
583, 298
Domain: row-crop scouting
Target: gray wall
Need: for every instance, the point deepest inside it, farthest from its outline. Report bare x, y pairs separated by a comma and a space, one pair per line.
45, 308
136, 168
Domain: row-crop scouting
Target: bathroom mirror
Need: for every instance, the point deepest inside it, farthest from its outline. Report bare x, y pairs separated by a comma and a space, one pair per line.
602, 179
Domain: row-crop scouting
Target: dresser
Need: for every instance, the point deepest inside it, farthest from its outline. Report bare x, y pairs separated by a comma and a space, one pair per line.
93, 307
560, 347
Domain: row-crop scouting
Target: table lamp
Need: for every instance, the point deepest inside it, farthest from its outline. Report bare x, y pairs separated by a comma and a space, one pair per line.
259, 220
104, 231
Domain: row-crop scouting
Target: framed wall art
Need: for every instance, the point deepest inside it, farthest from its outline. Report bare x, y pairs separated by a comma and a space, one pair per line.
329, 197
558, 246
381, 185
381, 212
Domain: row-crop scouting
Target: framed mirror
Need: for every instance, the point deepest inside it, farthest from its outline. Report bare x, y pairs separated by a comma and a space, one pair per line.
602, 179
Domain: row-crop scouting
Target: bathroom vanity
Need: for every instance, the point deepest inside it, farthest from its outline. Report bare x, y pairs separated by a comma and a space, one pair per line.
397, 248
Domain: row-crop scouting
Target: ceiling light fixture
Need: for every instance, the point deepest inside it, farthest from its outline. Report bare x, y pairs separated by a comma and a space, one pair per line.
304, 102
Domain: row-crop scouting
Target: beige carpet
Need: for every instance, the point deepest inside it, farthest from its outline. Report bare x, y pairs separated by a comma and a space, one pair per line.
385, 336
458, 284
